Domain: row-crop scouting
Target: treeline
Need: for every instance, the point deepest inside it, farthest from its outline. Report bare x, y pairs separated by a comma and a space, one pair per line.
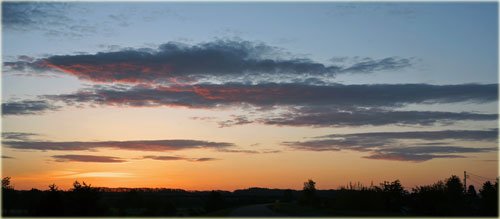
444, 198
85, 200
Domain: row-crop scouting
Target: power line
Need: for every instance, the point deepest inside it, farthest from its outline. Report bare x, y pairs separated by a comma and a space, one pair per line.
476, 181
480, 176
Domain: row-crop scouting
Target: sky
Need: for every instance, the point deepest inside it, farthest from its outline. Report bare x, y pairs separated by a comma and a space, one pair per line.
206, 95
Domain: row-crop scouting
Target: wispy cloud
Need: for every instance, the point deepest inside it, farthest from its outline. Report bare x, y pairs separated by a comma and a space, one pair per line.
27, 107
409, 157
396, 145
272, 94
245, 151
23, 15
235, 120
338, 117
56, 19
19, 136
87, 158
467, 135
74, 175
173, 158
139, 145
203, 159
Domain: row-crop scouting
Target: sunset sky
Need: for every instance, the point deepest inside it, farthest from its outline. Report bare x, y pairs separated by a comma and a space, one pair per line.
203, 96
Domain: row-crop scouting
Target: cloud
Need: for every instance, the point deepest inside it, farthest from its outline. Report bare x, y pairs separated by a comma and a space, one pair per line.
332, 117
271, 151
299, 104
203, 118
272, 94
57, 19
23, 15
236, 120
249, 151
140, 145
74, 175
392, 9
466, 135
171, 158
425, 149
203, 159
401, 145
371, 65
69, 19
239, 151
409, 157
370, 140
19, 136
220, 60
27, 107
164, 157
87, 158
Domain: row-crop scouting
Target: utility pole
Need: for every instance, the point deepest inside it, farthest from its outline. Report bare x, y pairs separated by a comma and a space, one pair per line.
465, 181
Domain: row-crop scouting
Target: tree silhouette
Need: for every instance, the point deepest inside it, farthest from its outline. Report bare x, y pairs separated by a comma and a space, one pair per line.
471, 191
53, 188
84, 200
6, 183
52, 203
393, 193
429, 200
489, 199
309, 193
455, 196
471, 200
8, 196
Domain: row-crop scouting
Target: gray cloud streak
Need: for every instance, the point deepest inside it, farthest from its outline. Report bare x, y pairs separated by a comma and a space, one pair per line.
140, 145
174, 158
27, 107
87, 158
19, 136
395, 145
295, 94
331, 117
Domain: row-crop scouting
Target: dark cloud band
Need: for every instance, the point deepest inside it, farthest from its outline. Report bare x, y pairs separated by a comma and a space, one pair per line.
295, 94
27, 107
227, 60
87, 158
174, 158
401, 145
332, 117
142, 145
